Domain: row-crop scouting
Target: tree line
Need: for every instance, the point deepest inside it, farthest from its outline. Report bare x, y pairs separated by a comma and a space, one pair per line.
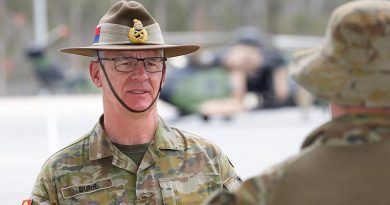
298, 17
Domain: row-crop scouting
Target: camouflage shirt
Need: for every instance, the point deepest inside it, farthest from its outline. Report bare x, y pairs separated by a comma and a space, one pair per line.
177, 168
346, 131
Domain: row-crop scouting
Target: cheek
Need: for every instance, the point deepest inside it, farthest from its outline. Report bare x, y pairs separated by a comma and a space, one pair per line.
117, 78
117, 82
155, 81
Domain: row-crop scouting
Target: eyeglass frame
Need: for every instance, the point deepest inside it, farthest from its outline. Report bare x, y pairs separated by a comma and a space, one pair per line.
163, 59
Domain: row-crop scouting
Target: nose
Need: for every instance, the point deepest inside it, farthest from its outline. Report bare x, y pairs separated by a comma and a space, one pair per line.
139, 72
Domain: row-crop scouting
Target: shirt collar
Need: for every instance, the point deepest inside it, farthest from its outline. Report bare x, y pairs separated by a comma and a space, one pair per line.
100, 146
165, 137
350, 129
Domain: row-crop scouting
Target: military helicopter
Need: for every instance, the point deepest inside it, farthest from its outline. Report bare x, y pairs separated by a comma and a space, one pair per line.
201, 77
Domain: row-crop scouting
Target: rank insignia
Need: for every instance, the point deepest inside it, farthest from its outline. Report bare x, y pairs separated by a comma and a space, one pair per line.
137, 33
27, 202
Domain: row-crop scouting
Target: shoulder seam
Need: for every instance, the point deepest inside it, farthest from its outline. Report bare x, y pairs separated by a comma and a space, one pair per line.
69, 145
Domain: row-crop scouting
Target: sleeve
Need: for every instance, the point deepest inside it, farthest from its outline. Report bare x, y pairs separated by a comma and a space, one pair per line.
261, 189
258, 190
221, 198
43, 192
231, 180
250, 193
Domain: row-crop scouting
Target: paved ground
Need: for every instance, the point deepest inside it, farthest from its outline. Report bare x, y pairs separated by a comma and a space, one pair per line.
35, 127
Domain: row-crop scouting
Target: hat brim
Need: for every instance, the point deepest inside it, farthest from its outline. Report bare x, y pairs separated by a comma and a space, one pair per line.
169, 50
326, 78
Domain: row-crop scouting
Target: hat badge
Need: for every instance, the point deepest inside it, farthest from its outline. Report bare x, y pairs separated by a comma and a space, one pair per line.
137, 33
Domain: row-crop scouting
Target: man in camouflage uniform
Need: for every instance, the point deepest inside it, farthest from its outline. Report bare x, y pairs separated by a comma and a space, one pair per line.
347, 160
132, 156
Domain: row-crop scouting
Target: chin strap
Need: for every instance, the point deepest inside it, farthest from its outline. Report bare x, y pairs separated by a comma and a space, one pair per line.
120, 100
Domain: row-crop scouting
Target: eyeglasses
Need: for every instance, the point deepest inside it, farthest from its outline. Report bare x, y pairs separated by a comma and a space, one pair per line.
128, 64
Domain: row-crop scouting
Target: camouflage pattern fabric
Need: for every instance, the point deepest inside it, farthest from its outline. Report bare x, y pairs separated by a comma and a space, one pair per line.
178, 168
352, 65
346, 131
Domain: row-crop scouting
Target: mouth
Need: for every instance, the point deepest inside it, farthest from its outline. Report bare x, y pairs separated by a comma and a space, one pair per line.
137, 92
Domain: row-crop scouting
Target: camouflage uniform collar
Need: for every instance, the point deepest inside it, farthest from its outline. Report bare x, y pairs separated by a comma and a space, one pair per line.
101, 146
165, 137
350, 129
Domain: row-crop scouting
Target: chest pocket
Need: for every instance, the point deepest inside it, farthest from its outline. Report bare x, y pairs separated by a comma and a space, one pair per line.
189, 189
99, 192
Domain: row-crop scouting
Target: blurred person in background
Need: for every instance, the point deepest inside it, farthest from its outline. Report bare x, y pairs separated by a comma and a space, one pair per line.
345, 161
52, 77
132, 156
258, 76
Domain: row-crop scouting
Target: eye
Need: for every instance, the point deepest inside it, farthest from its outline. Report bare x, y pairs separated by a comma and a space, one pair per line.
152, 63
121, 62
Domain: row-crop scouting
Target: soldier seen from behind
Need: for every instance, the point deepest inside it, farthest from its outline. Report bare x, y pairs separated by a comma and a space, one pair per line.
345, 161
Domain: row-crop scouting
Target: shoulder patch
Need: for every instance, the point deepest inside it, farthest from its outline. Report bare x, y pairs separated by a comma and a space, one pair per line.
27, 202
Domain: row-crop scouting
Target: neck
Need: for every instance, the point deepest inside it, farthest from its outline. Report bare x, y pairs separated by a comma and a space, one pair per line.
124, 127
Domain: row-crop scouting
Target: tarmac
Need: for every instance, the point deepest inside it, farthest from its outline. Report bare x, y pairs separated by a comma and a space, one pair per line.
35, 127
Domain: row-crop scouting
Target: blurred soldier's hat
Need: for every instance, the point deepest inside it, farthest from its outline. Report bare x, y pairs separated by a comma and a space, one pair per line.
352, 67
127, 25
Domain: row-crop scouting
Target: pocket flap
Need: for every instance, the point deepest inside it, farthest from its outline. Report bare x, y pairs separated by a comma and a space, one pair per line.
189, 189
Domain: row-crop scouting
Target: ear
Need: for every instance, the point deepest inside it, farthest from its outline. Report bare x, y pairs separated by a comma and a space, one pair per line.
94, 73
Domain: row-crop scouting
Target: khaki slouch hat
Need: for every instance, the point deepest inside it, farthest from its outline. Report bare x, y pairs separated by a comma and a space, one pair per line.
127, 25
352, 67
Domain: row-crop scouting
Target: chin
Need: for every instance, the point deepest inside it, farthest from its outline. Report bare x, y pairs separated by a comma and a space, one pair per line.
138, 105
